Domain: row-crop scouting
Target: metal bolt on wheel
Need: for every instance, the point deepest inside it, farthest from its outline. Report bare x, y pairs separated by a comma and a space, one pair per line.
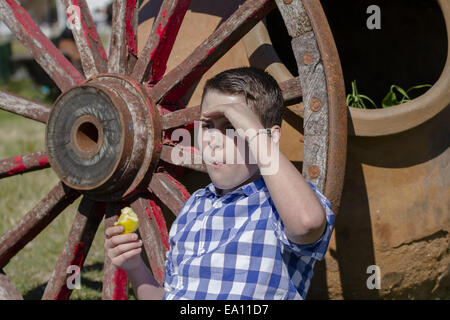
105, 132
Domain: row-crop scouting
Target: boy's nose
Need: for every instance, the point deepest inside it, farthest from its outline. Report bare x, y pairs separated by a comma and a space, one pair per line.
215, 139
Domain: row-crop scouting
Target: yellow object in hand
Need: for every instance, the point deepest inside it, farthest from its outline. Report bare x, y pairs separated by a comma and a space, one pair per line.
128, 220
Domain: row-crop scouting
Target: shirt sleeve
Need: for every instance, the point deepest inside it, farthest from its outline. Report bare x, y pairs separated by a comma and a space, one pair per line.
316, 249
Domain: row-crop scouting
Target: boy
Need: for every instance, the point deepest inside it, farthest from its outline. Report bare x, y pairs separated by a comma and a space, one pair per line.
248, 234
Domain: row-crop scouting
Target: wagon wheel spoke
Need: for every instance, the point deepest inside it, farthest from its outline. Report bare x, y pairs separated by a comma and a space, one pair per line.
89, 44
7, 290
151, 65
185, 157
175, 84
24, 163
76, 248
153, 232
24, 107
180, 117
115, 284
59, 198
170, 191
42, 49
123, 44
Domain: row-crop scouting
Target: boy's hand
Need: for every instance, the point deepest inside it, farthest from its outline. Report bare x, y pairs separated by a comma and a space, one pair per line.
239, 114
123, 249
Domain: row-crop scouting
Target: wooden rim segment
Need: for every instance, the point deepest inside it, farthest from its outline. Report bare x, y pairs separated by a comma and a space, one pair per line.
322, 84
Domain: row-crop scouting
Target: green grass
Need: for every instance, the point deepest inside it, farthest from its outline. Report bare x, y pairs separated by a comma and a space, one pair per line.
31, 268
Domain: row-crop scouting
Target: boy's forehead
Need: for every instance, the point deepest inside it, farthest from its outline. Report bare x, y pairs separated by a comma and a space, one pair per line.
214, 98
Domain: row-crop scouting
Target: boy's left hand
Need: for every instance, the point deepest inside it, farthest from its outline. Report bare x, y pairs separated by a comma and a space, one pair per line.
239, 114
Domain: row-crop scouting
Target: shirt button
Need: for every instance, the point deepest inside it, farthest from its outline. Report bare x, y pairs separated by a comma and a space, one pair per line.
217, 205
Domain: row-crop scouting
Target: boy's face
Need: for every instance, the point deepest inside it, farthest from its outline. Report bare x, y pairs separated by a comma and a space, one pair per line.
225, 175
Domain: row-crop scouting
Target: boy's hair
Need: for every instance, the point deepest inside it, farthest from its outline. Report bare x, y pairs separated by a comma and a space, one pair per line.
261, 91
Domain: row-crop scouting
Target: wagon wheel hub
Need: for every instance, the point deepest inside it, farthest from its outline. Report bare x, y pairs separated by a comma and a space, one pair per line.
101, 137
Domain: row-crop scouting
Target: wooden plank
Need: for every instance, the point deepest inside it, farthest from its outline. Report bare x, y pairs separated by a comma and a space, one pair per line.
123, 43
295, 17
152, 62
313, 83
24, 107
7, 290
115, 283
76, 249
24, 163
154, 234
89, 44
170, 191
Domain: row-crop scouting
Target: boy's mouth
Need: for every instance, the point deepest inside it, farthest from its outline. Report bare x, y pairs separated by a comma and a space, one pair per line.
216, 164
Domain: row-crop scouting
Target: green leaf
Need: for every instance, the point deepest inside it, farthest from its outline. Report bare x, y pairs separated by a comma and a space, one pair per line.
389, 100
420, 86
349, 98
368, 99
400, 89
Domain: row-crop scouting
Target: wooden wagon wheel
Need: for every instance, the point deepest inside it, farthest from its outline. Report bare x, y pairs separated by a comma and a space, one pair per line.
104, 133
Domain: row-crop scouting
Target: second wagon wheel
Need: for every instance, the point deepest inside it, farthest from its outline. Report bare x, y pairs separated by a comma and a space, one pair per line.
106, 134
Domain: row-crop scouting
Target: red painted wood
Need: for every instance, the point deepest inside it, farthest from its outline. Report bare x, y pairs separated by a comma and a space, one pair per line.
152, 62
153, 232
23, 163
76, 248
170, 191
89, 44
123, 45
114, 279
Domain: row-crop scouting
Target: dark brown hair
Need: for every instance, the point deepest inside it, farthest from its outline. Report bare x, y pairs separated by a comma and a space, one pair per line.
261, 91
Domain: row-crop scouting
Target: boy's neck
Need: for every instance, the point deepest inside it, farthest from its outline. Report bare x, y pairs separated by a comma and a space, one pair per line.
254, 177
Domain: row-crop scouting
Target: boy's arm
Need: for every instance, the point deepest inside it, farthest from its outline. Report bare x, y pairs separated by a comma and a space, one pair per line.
144, 284
301, 212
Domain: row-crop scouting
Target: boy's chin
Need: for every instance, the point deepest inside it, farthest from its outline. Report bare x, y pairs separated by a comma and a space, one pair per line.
228, 179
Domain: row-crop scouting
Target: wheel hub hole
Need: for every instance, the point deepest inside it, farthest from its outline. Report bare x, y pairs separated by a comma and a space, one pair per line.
87, 137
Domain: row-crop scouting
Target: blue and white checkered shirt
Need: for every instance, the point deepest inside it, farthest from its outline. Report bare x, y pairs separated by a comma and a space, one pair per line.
234, 247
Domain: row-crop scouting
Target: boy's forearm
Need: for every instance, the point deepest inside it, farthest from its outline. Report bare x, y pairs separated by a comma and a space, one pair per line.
297, 204
144, 284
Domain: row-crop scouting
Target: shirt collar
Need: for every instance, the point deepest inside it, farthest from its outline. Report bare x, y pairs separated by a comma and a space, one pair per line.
246, 189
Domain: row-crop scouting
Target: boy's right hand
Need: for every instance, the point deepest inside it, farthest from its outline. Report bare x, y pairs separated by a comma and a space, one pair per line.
123, 249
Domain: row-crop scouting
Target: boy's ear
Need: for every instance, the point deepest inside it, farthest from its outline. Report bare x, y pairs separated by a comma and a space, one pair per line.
276, 133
